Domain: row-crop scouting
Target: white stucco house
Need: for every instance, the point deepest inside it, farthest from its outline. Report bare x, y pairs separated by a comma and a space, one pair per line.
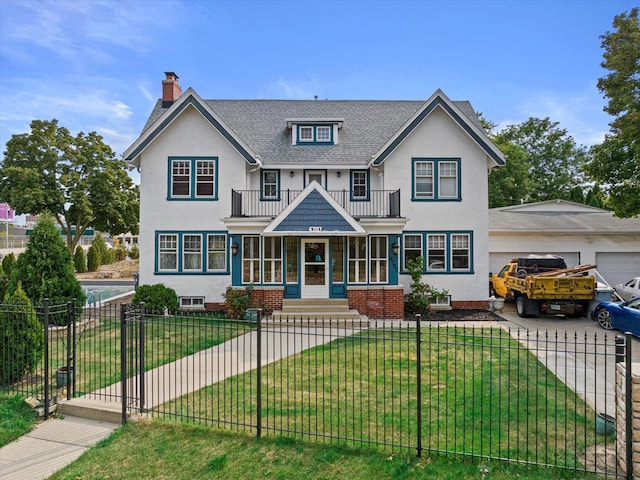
579, 233
317, 199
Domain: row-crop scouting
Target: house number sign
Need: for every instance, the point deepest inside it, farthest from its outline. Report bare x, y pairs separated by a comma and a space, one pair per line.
315, 229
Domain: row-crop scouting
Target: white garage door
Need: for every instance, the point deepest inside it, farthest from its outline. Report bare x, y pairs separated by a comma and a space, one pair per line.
498, 260
618, 267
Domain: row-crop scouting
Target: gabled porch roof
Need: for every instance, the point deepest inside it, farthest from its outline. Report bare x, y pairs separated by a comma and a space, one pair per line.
315, 213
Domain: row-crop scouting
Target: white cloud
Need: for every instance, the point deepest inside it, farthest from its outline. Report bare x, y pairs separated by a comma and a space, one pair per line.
84, 31
580, 114
298, 89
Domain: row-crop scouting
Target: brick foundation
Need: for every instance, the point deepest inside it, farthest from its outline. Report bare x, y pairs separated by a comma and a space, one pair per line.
378, 302
269, 299
470, 305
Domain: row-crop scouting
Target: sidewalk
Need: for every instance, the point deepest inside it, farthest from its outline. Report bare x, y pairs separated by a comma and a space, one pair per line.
51, 446
58, 442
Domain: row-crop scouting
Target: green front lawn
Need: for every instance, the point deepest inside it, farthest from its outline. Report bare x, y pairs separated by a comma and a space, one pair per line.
16, 418
160, 450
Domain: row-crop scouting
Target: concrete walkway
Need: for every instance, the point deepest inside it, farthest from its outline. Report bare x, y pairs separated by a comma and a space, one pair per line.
51, 446
58, 442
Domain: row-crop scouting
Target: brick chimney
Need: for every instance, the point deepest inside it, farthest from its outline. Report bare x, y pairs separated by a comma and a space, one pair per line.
171, 91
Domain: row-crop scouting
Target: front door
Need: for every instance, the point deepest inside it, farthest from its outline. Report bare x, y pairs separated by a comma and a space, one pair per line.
315, 268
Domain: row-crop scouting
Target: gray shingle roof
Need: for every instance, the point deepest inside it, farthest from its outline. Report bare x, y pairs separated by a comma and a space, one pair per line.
604, 222
262, 126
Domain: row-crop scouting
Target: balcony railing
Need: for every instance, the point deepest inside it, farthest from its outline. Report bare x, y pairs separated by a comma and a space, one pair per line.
379, 204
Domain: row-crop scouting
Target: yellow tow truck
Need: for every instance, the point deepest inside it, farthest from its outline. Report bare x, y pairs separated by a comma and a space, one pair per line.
544, 285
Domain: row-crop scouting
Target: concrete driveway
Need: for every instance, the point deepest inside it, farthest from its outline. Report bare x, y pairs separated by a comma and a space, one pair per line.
577, 350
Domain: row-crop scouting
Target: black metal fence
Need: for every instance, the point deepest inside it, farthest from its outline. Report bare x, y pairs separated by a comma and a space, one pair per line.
469, 389
58, 351
473, 389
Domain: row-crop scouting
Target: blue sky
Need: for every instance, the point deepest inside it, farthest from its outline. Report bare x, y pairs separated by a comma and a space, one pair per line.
98, 65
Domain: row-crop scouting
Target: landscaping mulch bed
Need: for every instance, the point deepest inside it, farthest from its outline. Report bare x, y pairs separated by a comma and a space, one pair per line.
457, 315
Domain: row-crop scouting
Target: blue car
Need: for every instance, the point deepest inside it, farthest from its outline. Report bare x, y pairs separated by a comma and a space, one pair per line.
624, 316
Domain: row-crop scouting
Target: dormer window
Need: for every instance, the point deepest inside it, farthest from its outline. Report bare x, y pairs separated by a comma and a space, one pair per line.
318, 134
305, 134
314, 131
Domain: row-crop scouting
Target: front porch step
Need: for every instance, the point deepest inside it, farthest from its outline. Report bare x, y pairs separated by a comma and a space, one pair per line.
315, 305
317, 310
90, 408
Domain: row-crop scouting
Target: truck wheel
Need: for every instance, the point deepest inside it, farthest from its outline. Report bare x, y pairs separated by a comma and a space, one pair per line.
521, 306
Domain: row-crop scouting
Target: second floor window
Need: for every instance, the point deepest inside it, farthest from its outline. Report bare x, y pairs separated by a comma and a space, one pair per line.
270, 185
359, 185
193, 178
436, 179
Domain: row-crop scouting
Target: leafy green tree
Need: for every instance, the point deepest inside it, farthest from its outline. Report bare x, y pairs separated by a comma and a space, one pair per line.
93, 258
8, 263
577, 194
45, 269
595, 197
554, 162
76, 178
616, 162
22, 338
510, 184
101, 246
80, 260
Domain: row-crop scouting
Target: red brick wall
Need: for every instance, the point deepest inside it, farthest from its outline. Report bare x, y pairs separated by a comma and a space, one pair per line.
378, 303
268, 299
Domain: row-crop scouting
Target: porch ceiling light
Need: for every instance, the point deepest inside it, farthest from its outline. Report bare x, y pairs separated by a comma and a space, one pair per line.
395, 248
234, 248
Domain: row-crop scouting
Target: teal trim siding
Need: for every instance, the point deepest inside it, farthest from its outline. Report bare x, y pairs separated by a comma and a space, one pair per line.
314, 211
236, 260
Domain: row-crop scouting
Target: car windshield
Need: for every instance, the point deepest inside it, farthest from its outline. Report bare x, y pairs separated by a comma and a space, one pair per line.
635, 303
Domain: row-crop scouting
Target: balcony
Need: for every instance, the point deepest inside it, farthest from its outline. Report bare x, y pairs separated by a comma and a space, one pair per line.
380, 203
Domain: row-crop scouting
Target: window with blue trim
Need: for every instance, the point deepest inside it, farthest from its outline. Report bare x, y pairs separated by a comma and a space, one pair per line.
436, 179
359, 185
193, 178
315, 134
191, 252
270, 182
444, 252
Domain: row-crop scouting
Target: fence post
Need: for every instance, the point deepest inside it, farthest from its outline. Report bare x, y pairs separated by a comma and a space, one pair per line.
259, 373
69, 355
47, 374
142, 367
419, 383
123, 361
628, 408
73, 352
